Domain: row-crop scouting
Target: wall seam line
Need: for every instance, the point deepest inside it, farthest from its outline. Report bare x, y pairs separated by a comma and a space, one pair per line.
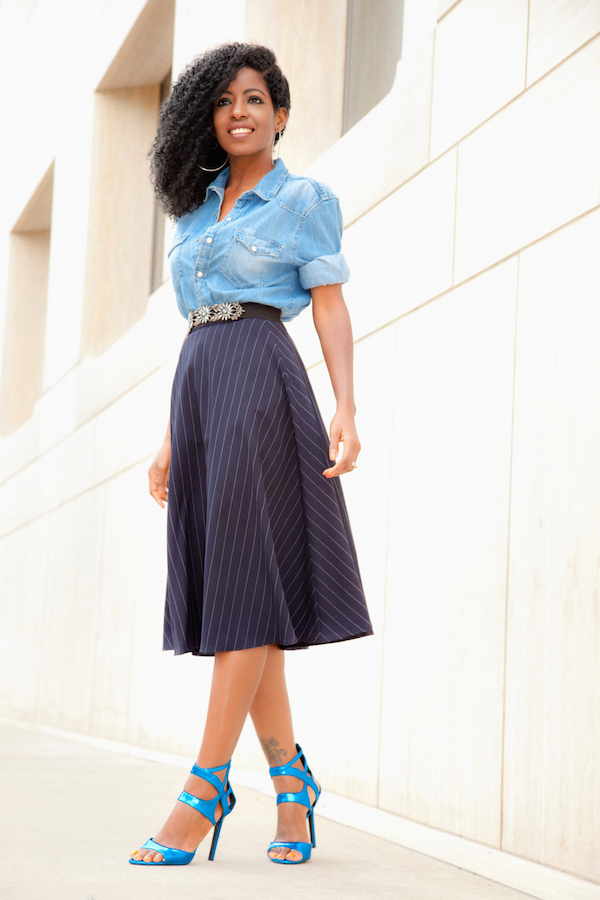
387, 551
507, 588
431, 94
447, 291
97, 608
448, 11
455, 216
91, 487
87, 421
468, 134
527, 44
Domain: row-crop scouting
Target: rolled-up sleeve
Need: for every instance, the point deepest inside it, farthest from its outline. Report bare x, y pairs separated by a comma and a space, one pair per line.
318, 247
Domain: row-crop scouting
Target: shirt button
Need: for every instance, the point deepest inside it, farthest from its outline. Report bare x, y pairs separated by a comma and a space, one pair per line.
228, 219
253, 249
209, 240
199, 274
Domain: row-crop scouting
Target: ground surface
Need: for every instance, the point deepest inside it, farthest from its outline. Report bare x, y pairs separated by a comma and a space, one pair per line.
72, 814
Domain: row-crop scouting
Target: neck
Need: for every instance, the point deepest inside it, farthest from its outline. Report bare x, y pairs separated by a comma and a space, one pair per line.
246, 171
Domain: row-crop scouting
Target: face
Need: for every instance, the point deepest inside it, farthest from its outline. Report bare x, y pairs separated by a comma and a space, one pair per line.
243, 116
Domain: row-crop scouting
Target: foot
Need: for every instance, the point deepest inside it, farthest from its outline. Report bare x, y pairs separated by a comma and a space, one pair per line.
186, 827
292, 824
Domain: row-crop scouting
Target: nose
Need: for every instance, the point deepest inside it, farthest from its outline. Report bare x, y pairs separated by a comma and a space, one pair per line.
238, 110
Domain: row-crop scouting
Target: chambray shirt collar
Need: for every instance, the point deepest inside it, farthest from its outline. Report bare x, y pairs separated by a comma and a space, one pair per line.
267, 187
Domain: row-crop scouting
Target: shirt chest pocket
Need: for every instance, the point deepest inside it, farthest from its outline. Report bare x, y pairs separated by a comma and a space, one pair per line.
250, 259
175, 260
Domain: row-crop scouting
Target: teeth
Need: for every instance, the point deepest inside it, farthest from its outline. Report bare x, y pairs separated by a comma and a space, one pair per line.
240, 131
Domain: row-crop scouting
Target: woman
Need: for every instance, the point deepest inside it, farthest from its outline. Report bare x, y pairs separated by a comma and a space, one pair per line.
260, 553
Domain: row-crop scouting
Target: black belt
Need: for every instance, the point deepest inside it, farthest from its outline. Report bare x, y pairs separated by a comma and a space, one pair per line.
231, 312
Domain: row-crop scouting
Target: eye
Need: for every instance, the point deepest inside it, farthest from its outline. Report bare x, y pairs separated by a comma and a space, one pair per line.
258, 99
222, 101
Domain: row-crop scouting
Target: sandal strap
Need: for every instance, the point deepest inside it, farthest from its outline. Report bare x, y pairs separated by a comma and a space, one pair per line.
302, 846
278, 770
225, 795
302, 796
171, 856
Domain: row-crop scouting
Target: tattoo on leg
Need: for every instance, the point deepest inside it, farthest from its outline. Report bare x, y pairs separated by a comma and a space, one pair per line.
274, 753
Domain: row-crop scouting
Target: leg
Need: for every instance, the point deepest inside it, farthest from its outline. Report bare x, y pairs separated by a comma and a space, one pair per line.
236, 676
272, 718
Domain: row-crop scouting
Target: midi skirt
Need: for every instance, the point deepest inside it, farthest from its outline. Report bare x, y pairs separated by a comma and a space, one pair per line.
259, 544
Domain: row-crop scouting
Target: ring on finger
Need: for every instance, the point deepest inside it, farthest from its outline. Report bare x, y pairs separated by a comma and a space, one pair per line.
354, 465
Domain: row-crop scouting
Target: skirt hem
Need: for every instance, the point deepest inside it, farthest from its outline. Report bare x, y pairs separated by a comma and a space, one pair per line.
301, 645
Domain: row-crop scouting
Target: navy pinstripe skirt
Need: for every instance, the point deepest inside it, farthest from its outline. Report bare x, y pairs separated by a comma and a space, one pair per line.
259, 543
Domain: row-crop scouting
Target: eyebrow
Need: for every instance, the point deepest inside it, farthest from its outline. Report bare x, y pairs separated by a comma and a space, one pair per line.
248, 91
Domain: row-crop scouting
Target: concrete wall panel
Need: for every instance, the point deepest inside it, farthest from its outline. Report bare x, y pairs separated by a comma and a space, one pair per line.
557, 29
23, 588
413, 231
368, 153
480, 53
25, 327
69, 614
532, 167
446, 594
552, 780
309, 38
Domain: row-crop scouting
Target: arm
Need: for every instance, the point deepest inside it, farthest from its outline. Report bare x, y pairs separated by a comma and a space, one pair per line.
332, 323
158, 473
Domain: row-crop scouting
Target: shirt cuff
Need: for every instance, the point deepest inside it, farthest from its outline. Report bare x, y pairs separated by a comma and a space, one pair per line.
324, 270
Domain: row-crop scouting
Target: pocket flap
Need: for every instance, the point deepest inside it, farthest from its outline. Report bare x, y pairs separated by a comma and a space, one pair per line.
177, 242
257, 244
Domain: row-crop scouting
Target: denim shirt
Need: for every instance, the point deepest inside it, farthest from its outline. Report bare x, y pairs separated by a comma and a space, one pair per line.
281, 239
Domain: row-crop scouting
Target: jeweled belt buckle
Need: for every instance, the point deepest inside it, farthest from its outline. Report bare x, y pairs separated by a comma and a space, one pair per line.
219, 312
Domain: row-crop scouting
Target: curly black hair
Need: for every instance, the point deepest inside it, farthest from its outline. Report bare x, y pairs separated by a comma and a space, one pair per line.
185, 139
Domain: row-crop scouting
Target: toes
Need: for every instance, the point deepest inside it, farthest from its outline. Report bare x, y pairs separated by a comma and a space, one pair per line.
285, 853
147, 856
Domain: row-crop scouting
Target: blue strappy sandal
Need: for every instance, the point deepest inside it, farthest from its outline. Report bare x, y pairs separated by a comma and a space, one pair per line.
225, 796
303, 797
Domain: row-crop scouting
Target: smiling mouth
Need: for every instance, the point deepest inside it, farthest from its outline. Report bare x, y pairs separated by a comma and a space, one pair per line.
241, 130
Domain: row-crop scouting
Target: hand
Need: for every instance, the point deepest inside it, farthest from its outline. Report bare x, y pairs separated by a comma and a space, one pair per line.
158, 474
342, 430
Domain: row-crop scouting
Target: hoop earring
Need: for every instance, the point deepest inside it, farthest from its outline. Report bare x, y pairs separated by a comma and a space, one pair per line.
218, 169
276, 142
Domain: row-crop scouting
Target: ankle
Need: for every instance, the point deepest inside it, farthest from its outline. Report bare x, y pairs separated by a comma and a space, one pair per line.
287, 784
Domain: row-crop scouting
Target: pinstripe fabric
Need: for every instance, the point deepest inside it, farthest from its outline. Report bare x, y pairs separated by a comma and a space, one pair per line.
259, 543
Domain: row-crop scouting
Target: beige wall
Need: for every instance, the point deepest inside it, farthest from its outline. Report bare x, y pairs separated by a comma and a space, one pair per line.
473, 250
25, 324
309, 38
121, 224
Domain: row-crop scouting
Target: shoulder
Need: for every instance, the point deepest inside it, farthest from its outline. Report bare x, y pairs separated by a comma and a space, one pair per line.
184, 223
301, 194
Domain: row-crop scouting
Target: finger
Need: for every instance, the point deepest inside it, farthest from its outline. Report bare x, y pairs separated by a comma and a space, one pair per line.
351, 450
334, 448
158, 492
342, 466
